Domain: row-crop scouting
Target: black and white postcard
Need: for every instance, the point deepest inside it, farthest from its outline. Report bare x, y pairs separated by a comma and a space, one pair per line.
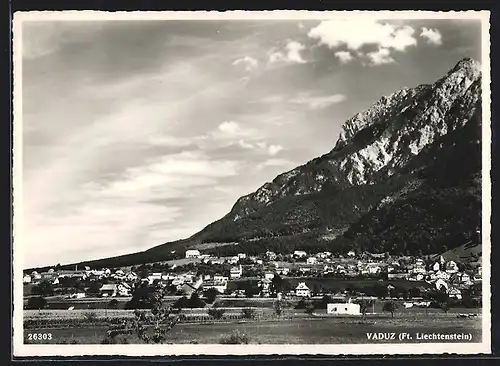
237, 183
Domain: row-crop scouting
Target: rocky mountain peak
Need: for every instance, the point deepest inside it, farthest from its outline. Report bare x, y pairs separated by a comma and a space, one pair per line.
375, 143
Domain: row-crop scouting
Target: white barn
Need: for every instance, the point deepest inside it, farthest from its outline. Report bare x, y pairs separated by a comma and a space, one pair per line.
343, 308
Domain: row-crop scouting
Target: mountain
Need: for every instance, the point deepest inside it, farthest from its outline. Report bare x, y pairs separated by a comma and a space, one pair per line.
404, 177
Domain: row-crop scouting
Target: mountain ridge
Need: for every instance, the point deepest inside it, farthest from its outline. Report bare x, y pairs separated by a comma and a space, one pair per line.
386, 156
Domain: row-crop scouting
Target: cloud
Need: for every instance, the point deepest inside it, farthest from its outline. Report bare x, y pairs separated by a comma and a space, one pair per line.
274, 149
344, 56
432, 36
380, 57
249, 62
229, 127
317, 102
355, 34
290, 54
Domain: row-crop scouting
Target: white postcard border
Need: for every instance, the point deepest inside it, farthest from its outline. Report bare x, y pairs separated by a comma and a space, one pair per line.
26, 350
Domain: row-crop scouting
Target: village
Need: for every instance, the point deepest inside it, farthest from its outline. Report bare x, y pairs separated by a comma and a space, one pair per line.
301, 275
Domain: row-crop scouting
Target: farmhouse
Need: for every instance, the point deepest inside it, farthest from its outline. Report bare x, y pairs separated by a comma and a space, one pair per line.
299, 254
236, 272
343, 308
27, 278
302, 290
108, 290
192, 253
311, 260
268, 275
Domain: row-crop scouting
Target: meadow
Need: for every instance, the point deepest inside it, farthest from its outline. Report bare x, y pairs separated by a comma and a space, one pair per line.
298, 328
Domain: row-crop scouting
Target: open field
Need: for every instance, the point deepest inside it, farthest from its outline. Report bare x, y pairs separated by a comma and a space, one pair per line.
311, 330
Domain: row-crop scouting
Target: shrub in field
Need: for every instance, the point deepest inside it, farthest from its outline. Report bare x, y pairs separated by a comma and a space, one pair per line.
216, 313
301, 304
309, 308
248, 313
149, 326
211, 295
235, 337
37, 303
90, 316
390, 307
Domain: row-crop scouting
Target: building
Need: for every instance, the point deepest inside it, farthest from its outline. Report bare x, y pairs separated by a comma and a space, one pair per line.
26, 278
192, 253
441, 285
343, 309
302, 290
219, 286
236, 272
312, 260
299, 254
268, 275
451, 267
124, 289
271, 255
436, 267
351, 254
220, 278
265, 285
108, 290
455, 293
283, 270
189, 288
242, 255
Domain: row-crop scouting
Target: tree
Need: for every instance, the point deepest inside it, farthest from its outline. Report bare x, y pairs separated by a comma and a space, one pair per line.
216, 313
309, 308
445, 306
37, 303
390, 307
363, 307
211, 295
143, 297
94, 287
44, 288
151, 326
279, 307
248, 313
195, 301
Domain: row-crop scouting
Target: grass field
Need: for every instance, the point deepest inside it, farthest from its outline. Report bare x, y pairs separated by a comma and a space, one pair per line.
310, 330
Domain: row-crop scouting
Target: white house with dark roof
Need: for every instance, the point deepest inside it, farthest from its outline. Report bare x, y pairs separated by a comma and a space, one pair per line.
236, 272
302, 290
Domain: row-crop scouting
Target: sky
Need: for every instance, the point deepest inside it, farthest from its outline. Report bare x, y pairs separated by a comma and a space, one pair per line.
136, 133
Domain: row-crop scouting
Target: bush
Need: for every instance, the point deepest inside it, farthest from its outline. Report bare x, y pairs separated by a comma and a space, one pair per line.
236, 337
216, 313
36, 303
90, 316
248, 313
211, 295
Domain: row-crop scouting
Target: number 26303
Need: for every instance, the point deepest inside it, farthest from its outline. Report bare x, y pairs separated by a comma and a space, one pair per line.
39, 336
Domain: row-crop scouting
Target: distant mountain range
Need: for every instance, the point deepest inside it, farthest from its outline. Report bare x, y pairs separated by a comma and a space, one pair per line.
404, 177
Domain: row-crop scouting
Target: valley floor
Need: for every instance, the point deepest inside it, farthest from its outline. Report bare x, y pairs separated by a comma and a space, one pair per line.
300, 329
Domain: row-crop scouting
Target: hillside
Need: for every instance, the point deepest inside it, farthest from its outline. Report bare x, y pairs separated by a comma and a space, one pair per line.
404, 177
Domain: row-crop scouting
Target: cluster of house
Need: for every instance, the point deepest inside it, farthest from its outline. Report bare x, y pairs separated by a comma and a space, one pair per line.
444, 274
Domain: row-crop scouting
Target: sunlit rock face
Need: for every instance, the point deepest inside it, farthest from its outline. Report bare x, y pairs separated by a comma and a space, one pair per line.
373, 144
